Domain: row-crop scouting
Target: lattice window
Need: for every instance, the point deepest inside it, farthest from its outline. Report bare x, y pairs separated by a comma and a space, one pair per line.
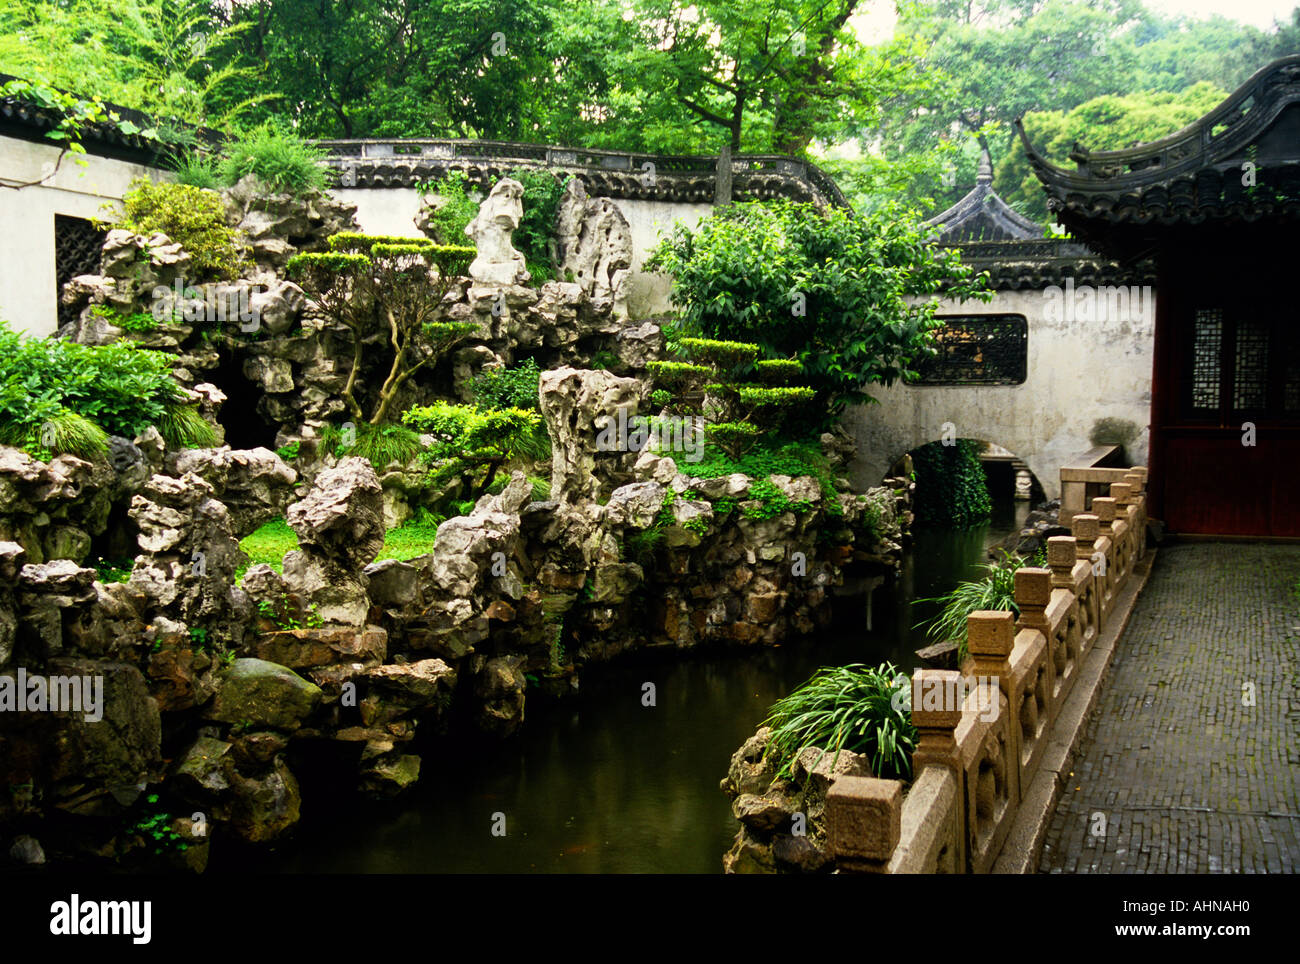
1207, 348
979, 350
1250, 366
77, 244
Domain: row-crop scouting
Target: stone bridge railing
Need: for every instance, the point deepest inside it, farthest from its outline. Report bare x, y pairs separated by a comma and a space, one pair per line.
981, 747
619, 174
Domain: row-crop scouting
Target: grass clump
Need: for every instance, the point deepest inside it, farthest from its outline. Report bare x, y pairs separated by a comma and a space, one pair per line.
858, 708
996, 590
282, 161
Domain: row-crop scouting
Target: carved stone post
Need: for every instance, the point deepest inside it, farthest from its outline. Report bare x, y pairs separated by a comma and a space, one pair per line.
936, 711
990, 636
1087, 530
863, 823
1033, 594
1062, 554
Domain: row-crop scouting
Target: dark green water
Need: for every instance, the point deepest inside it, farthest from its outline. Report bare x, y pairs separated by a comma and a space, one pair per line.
603, 784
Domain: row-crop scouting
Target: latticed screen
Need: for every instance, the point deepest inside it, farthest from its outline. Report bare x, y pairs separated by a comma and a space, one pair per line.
1207, 347
1250, 366
979, 350
77, 244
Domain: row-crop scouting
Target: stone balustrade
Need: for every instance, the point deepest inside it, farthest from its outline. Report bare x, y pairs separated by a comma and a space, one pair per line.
983, 731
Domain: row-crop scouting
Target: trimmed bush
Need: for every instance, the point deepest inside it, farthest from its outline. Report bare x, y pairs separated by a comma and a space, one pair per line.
191, 216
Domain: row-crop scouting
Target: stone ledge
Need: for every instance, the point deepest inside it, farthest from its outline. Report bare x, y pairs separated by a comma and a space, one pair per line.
1024, 842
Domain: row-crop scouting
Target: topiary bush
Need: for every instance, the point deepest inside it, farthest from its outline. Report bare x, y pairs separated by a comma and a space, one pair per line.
191, 216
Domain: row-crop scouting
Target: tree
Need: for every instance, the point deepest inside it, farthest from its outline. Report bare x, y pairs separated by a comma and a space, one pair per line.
1102, 124
832, 290
387, 292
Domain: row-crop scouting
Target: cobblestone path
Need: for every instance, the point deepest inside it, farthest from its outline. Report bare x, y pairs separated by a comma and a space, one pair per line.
1185, 778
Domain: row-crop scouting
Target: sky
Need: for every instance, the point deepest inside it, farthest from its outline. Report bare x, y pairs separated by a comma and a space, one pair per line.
876, 22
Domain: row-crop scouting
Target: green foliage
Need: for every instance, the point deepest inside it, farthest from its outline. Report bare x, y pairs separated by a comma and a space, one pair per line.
764, 460
269, 544
333, 263
500, 388
113, 570
995, 590
732, 437
384, 445
190, 216
140, 322
455, 210
678, 374
829, 289
60, 396
154, 827
778, 370
846, 708
468, 439
718, 353
950, 486
282, 161
783, 396
197, 169
660, 397
288, 452
536, 232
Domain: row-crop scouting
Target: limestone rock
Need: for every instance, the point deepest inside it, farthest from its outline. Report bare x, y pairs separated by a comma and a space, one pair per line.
498, 217
256, 693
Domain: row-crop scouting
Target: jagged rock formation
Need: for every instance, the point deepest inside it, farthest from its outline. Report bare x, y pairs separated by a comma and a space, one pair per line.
498, 217
595, 247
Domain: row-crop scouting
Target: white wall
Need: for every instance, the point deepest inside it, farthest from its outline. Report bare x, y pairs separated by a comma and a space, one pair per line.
28, 300
393, 210
1079, 370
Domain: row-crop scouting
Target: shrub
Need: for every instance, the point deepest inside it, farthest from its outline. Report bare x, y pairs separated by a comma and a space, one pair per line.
846, 708
449, 220
467, 439
60, 396
191, 216
281, 160
829, 289
499, 388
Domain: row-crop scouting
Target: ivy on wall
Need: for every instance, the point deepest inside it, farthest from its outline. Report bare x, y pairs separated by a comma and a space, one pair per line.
950, 487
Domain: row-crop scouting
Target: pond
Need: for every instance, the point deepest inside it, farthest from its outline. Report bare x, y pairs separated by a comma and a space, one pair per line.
601, 783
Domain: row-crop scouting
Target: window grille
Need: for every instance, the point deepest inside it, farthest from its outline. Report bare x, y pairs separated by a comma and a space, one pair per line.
979, 350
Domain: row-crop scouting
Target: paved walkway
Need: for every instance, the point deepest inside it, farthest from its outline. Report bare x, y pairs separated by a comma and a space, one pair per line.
1187, 778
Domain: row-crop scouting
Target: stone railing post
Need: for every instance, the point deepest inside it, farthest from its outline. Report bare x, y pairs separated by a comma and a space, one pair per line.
864, 822
936, 711
1062, 554
990, 636
1087, 529
1033, 594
